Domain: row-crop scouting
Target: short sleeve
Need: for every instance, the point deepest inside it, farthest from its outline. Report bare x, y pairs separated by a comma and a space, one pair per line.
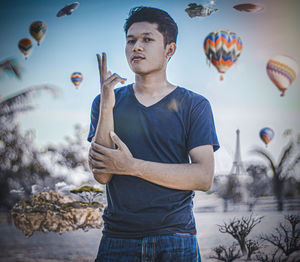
94, 118
202, 128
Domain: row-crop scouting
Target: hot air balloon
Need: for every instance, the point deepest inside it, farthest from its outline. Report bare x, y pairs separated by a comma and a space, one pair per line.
76, 79
222, 49
282, 71
67, 9
266, 135
248, 7
25, 46
38, 30
199, 10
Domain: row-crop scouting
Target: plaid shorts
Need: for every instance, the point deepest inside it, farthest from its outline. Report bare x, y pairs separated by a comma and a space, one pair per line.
179, 247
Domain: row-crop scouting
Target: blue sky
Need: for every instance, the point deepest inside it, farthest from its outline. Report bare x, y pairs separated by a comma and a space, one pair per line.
246, 99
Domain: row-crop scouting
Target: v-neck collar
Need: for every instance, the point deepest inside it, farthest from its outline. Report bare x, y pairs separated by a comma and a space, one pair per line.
155, 104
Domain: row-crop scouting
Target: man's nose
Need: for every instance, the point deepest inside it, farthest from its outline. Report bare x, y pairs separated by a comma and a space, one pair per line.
138, 46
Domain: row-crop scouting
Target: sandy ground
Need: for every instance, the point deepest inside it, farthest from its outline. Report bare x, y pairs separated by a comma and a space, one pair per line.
82, 246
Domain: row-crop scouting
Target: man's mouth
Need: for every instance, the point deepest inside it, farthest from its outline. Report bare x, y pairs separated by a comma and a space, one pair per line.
137, 58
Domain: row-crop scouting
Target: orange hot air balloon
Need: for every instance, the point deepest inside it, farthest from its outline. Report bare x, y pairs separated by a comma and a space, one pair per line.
38, 30
25, 46
222, 49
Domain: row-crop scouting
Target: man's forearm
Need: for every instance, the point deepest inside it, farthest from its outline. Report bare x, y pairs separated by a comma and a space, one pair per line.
195, 176
104, 126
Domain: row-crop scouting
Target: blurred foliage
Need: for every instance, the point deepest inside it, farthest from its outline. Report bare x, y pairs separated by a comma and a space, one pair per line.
281, 170
257, 184
20, 162
73, 153
228, 188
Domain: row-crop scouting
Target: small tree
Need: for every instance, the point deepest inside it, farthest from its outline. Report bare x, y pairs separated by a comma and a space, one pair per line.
287, 236
227, 187
239, 229
257, 186
88, 193
266, 258
252, 247
226, 254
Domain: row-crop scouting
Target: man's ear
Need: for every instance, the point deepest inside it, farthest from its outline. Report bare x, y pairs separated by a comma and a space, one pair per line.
171, 48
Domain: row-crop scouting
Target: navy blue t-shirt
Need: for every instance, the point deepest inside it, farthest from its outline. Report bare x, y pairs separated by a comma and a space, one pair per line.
163, 132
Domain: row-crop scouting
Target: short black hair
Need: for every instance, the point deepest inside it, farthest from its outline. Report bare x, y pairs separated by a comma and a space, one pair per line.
166, 25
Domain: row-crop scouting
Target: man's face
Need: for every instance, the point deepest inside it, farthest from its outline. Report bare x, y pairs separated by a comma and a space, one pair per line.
145, 49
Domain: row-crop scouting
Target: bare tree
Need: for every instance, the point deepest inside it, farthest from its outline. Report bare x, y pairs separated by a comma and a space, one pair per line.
88, 193
239, 229
287, 236
228, 254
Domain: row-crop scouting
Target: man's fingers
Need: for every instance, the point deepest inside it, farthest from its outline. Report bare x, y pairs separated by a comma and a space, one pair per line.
100, 171
100, 67
121, 145
113, 80
95, 155
104, 65
99, 148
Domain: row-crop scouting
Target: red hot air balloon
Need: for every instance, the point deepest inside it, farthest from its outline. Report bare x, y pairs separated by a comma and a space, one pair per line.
76, 79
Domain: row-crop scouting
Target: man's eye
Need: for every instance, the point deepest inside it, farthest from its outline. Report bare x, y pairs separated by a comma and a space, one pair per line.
130, 41
147, 39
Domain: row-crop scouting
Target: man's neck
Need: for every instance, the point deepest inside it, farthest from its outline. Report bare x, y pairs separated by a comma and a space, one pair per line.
154, 84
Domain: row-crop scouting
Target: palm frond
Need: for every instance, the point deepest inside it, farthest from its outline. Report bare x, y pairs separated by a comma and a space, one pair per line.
11, 66
286, 154
267, 156
13, 103
294, 163
11, 112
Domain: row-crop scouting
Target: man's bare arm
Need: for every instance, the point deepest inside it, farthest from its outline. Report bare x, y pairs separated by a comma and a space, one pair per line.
197, 175
105, 121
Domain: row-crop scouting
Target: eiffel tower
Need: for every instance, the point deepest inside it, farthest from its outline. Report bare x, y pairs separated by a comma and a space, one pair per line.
238, 166
238, 170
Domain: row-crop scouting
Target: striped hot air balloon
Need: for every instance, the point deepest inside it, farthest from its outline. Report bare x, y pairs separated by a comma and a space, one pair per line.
266, 135
282, 70
38, 30
25, 46
76, 79
222, 49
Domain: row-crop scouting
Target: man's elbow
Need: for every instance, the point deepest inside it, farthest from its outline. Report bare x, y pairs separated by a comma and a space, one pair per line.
206, 183
102, 178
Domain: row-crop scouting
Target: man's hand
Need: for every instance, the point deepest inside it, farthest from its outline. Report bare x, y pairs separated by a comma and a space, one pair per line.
107, 82
112, 161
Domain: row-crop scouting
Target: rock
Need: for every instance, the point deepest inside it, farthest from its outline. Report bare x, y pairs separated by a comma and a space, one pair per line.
50, 211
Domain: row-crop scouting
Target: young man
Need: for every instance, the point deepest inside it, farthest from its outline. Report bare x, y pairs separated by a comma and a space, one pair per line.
152, 145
